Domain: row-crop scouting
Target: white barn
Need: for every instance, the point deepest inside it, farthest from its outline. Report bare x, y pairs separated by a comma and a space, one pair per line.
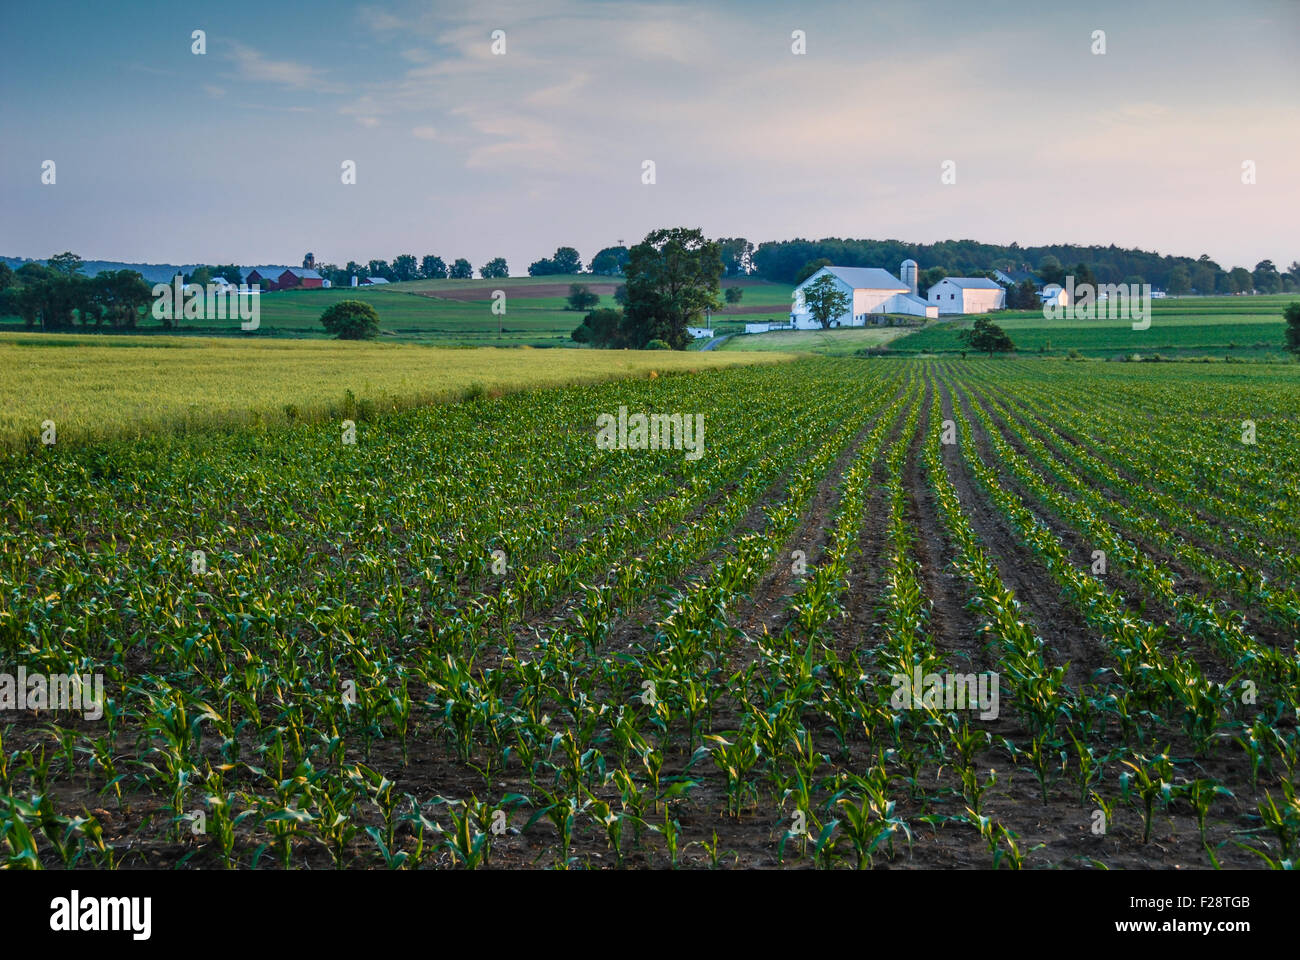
870, 290
967, 295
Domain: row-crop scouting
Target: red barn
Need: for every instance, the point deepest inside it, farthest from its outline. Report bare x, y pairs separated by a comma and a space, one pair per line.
265, 281
298, 277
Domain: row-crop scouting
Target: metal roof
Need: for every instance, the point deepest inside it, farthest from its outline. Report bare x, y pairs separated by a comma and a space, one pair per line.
976, 283
865, 278
301, 273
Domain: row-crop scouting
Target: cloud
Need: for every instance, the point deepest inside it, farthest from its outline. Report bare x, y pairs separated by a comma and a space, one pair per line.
424, 133
252, 65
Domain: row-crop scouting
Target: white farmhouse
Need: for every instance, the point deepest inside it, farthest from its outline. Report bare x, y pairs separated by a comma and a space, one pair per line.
967, 295
870, 291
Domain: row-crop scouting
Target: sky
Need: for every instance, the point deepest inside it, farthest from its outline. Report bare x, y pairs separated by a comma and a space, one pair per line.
236, 155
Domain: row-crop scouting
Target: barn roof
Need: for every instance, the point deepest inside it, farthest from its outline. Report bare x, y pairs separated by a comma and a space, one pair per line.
867, 278
301, 273
974, 283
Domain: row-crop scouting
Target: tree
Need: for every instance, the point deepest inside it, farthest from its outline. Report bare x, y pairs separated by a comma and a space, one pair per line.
737, 256
1050, 270
380, 268
581, 297
672, 278
987, 337
461, 270
494, 269
1203, 278
825, 300
541, 268
928, 278
733, 294
117, 296
6, 276
351, 320
1180, 281
1266, 277
1242, 281
809, 268
1028, 297
566, 260
404, 267
600, 328
432, 268
1292, 317
620, 294
609, 262
202, 276
67, 263
1083, 274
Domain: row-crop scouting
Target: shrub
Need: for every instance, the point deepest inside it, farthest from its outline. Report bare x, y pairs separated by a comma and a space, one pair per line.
657, 345
351, 320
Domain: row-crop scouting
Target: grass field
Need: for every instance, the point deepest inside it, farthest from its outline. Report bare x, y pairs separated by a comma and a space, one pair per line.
459, 312
100, 385
475, 637
1189, 326
826, 342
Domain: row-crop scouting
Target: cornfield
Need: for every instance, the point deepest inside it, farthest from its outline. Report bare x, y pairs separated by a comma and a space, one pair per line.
465, 636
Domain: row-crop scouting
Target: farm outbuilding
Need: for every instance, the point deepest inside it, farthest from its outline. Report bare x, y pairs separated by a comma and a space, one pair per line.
967, 295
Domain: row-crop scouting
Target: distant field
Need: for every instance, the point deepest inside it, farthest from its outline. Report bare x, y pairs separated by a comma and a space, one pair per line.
827, 342
459, 312
1219, 326
127, 385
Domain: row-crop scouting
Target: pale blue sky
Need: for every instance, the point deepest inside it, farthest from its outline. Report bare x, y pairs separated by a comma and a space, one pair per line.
235, 156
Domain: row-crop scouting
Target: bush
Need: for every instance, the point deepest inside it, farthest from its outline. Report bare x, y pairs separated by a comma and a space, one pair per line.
1074, 354
351, 320
657, 345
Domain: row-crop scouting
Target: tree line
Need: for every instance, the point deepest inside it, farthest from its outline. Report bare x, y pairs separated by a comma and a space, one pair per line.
793, 261
55, 295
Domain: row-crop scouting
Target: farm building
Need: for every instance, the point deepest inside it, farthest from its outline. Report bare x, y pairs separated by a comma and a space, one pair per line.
264, 278
297, 277
871, 292
1017, 277
967, 295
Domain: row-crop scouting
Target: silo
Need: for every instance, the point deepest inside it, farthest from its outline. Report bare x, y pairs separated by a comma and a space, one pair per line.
907, 273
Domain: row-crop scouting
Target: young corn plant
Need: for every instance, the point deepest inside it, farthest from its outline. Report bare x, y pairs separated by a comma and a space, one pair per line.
1152, 781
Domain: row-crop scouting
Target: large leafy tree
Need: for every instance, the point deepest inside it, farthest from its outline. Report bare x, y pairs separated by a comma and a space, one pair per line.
461, 270
601, 328
737, 256
672, 279
987, 337
351, 320
580, 297
432, 268
494, 269
404, 267
67, 263
566, 260
1292, 317
825, 300
609, 261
